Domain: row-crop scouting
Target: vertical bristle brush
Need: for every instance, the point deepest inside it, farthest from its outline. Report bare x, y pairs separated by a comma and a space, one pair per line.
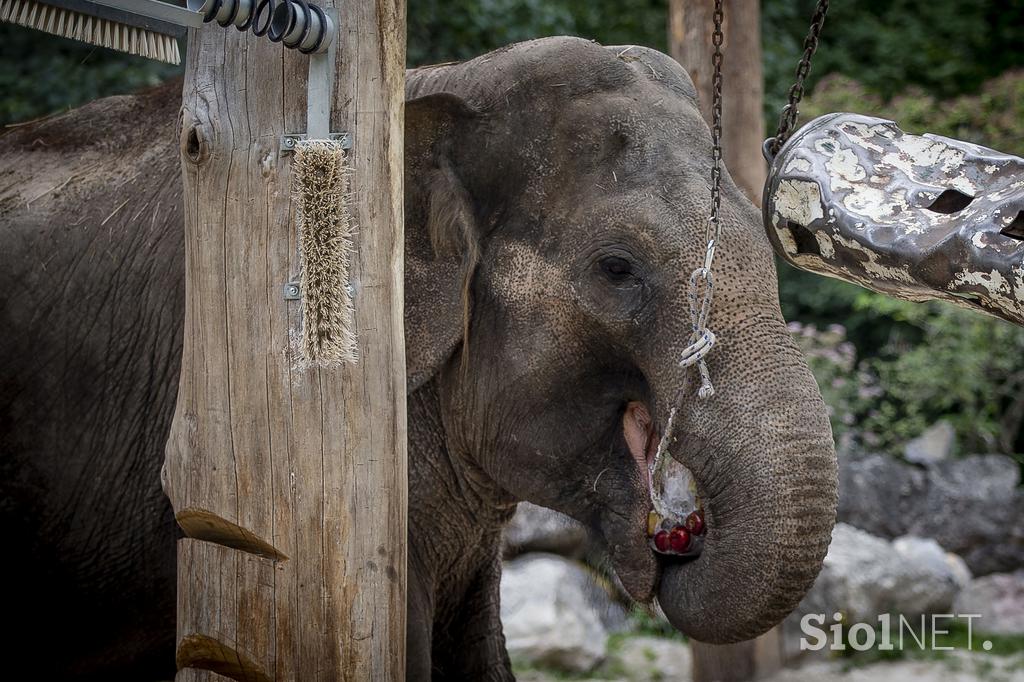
99, 24
320, 192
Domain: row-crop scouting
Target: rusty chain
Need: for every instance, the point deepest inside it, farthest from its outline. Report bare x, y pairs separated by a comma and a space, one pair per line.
713, 230
790, 113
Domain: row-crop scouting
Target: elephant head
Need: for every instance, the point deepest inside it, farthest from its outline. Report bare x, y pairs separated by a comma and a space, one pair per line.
558, 197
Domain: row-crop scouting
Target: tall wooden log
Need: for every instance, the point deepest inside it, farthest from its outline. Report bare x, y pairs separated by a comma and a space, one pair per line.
743, 128
289, 482
751, 660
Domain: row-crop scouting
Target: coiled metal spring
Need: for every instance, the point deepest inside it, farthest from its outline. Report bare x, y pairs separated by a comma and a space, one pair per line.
297, 24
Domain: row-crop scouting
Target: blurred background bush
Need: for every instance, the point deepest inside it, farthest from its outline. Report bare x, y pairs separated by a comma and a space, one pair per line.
888, 369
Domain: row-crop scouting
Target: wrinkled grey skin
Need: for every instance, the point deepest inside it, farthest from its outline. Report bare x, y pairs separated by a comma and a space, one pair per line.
556, 197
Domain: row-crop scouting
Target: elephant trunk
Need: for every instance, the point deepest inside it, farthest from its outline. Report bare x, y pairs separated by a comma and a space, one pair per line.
762, 454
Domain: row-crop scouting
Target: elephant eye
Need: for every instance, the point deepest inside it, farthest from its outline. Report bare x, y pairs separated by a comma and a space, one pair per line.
616, 269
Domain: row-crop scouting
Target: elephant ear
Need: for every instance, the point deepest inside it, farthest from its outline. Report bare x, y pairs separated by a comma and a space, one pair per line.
442, 246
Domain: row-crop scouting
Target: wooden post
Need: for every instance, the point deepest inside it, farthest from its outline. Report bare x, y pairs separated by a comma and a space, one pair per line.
753, 659
743, 128
289, 482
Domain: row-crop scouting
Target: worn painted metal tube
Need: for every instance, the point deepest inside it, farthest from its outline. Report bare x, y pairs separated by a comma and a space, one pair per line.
912, 216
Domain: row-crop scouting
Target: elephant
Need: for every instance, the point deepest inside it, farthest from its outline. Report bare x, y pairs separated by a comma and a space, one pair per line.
556, 203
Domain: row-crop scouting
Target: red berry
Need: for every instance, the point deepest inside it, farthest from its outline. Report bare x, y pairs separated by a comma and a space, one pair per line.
679, 539
695, 523
661, 541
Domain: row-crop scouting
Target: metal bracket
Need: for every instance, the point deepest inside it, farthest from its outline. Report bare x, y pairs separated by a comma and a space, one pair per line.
288, 142
293, 292
318, 99
318, 89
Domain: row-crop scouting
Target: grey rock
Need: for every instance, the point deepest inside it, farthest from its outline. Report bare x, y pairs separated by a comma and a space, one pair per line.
879, 493
928, 555
971, 506
554, 612
999, 601
538, 529
864, 576
934, 445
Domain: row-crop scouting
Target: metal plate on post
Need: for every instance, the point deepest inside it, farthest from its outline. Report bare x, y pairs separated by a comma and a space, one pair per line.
288, 142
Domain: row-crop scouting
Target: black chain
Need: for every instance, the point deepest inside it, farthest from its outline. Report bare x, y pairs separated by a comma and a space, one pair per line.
790, 112
713, 228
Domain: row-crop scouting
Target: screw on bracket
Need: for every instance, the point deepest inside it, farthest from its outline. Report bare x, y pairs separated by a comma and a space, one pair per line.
288, 142
291, 291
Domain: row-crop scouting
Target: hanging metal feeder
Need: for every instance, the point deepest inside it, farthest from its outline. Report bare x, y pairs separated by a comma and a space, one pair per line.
916, 217
912, 216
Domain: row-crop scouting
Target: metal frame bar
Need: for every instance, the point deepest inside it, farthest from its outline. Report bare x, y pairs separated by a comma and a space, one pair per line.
154, 9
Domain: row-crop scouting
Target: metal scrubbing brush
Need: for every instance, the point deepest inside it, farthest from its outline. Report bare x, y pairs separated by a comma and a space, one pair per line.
147, 29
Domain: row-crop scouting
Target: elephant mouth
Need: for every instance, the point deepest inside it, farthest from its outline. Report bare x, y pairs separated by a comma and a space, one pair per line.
675, 524
659, 523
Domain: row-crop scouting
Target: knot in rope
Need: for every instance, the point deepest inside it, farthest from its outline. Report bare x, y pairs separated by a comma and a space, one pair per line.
702, 339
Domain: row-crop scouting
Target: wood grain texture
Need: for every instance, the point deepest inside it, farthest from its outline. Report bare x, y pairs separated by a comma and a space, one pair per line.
753, 659
743, 131
308, 462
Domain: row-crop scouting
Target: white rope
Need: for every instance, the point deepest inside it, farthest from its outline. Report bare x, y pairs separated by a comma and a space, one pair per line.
658, 471
702, 339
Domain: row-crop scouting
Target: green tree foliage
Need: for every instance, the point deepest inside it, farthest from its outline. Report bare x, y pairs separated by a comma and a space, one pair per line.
947, 47
963, 367
993, 116
446, 30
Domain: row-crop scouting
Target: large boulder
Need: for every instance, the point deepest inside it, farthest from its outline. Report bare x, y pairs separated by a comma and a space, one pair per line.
556, 613
864, 576
879, 493
538, 529
931, 559
971, 506
999, 601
